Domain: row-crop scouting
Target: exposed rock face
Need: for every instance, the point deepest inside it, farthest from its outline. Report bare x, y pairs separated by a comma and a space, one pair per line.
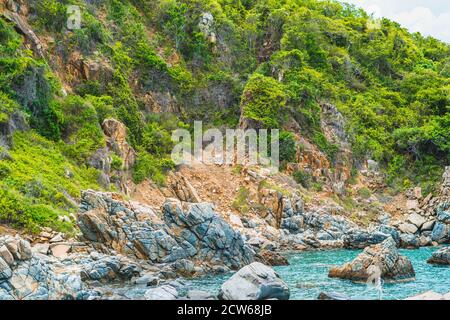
427, 220
333, 126
35, 279
206, 25
102, 159
116, 132
16, 122
182, 188
321, 229
280, 211
445, 186
254, 282
384, 256
23, 27
30, 275
185, 231
442, 256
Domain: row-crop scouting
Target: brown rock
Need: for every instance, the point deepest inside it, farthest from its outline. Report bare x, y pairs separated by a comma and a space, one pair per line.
412, 204
182, 188
60, 250
117, 133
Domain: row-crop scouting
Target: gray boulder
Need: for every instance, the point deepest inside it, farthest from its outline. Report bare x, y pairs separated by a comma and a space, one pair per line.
441, 256
191, 231
359, 238
199, 230
5, 270
409, 241
165, 292
254, 282
441, 232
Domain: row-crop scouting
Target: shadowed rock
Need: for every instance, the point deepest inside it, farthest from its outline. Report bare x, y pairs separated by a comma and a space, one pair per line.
441, 256
184, 231
391, 265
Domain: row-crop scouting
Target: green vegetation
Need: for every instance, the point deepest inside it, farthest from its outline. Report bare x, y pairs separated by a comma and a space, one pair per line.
303, 178
262, 101
241, 203
38, 183
273, 62
364, 193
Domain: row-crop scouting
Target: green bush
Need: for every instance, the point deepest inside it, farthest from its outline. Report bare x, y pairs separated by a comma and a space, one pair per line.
263, 100
37, 172
148, 166
21, 212
116, 162
81, 130
288, 146
303, 178
241, 202
364, 193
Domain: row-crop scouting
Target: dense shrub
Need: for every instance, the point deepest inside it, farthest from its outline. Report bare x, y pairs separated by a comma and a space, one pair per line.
263, 100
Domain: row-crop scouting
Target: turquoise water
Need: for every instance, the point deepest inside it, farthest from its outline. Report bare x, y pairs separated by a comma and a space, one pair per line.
307, 276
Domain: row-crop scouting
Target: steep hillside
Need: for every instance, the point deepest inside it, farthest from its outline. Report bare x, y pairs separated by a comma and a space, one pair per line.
349, 93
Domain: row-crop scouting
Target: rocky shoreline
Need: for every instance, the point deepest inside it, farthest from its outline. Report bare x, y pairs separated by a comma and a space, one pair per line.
127, 250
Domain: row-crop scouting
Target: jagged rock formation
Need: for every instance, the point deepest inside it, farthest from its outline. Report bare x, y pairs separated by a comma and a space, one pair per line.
382, 258
320, 229
13, 13
116, 143
116, 134
254, 282
182, 188
278, 209
333, 126
27, 274
441, 256
183, 231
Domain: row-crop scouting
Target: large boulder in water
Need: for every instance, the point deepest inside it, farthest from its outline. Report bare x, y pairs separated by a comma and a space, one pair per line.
441, 256
182, 230
254, 282
381, 260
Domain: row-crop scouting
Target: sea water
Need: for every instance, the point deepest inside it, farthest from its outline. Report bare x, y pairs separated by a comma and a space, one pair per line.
307, 276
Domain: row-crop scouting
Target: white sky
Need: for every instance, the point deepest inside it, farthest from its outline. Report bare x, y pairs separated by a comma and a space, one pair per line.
429, 17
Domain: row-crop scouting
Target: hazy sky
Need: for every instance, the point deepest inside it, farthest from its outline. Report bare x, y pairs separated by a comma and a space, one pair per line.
429, 17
